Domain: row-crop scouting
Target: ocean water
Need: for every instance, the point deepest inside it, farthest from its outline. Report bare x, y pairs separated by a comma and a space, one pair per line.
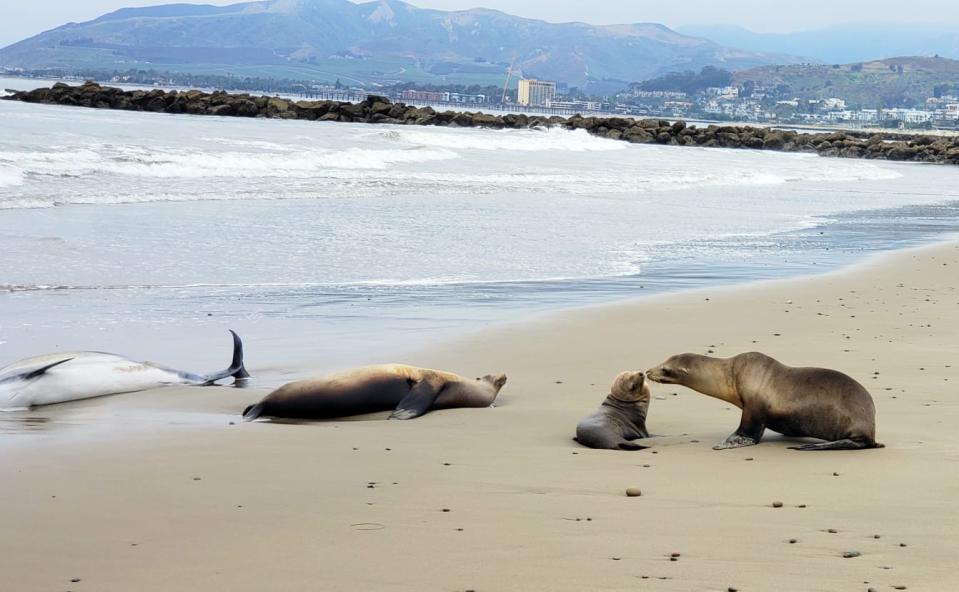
327, 244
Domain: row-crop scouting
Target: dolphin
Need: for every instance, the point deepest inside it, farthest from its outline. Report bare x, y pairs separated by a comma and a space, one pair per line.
71, 376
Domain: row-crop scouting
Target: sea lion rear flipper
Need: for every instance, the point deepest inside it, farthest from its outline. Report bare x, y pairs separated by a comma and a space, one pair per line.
417, 402
845, 444
253, 411
631, 446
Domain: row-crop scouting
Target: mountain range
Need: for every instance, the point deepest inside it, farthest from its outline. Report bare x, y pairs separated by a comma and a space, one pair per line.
373, 43
841, 44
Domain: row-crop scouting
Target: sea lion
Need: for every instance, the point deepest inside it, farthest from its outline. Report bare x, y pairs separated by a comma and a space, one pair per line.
805, 402
71, 376
408, 390
621, 418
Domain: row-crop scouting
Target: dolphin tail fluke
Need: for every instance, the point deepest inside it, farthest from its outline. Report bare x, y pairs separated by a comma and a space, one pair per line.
253, 412
239, 370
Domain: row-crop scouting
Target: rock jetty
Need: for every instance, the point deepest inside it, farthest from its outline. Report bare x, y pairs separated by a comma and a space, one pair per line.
376, 109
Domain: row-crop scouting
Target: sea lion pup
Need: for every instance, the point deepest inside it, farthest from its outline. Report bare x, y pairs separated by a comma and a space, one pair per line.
621, 418
807, 402
410, 391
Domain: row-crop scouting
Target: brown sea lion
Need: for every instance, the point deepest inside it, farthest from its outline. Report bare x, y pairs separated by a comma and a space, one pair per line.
410, 391
807, 402
621, 418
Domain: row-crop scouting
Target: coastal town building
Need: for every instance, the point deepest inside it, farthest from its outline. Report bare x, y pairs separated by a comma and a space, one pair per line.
535, 93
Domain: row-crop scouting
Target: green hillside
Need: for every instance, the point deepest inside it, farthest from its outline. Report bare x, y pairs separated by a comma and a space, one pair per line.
894, 82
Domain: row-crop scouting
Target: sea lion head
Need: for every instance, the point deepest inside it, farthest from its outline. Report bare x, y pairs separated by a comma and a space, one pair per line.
471, 393
630, 387
496, 381
674, 370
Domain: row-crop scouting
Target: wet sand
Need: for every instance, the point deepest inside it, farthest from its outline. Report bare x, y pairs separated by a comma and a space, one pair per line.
95, 498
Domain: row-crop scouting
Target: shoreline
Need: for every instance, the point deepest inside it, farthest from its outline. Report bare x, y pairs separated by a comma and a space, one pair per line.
189, 508
377, 109
289, 355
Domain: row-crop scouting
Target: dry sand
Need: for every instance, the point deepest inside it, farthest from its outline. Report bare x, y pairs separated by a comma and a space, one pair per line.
503, 499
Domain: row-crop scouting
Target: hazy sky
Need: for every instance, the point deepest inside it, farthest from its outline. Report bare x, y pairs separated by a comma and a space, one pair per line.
21, 19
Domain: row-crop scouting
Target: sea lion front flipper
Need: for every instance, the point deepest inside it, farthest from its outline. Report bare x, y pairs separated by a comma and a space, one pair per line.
418, 401
750, 432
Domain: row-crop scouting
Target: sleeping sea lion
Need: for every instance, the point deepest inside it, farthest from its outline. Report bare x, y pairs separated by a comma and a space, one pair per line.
806, 402
621, 418
410, 391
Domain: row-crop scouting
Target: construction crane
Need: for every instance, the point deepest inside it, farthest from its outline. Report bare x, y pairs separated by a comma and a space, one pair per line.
509, 74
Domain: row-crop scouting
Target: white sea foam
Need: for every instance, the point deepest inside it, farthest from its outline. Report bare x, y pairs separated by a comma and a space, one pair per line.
159, 163
10, 176
510, 140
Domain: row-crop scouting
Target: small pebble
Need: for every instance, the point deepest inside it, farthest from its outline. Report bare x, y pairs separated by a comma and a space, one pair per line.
196, 478
446, 509
832, 531
851, 554
674, 555
75, 580
793, 541
835, 474
902, 544
633, 492
777, 504
749, 458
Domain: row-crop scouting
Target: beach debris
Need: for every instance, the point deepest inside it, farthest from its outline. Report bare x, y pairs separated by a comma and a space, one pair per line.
851, 554
633, 492
368, 526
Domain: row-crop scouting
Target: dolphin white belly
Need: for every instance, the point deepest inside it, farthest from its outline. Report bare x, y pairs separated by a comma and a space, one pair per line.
72, 376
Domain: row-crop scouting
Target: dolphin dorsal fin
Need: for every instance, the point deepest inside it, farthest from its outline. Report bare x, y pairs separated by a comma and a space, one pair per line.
41, 371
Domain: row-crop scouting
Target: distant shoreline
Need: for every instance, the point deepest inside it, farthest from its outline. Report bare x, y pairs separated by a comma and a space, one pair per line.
375, 109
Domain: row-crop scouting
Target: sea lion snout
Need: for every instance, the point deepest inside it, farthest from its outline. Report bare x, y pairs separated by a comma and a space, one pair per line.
671, 371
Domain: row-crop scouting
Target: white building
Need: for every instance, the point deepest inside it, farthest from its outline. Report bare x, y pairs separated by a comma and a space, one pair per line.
535, 93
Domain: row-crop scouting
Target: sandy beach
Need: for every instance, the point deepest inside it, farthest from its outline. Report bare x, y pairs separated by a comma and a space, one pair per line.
502, 498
